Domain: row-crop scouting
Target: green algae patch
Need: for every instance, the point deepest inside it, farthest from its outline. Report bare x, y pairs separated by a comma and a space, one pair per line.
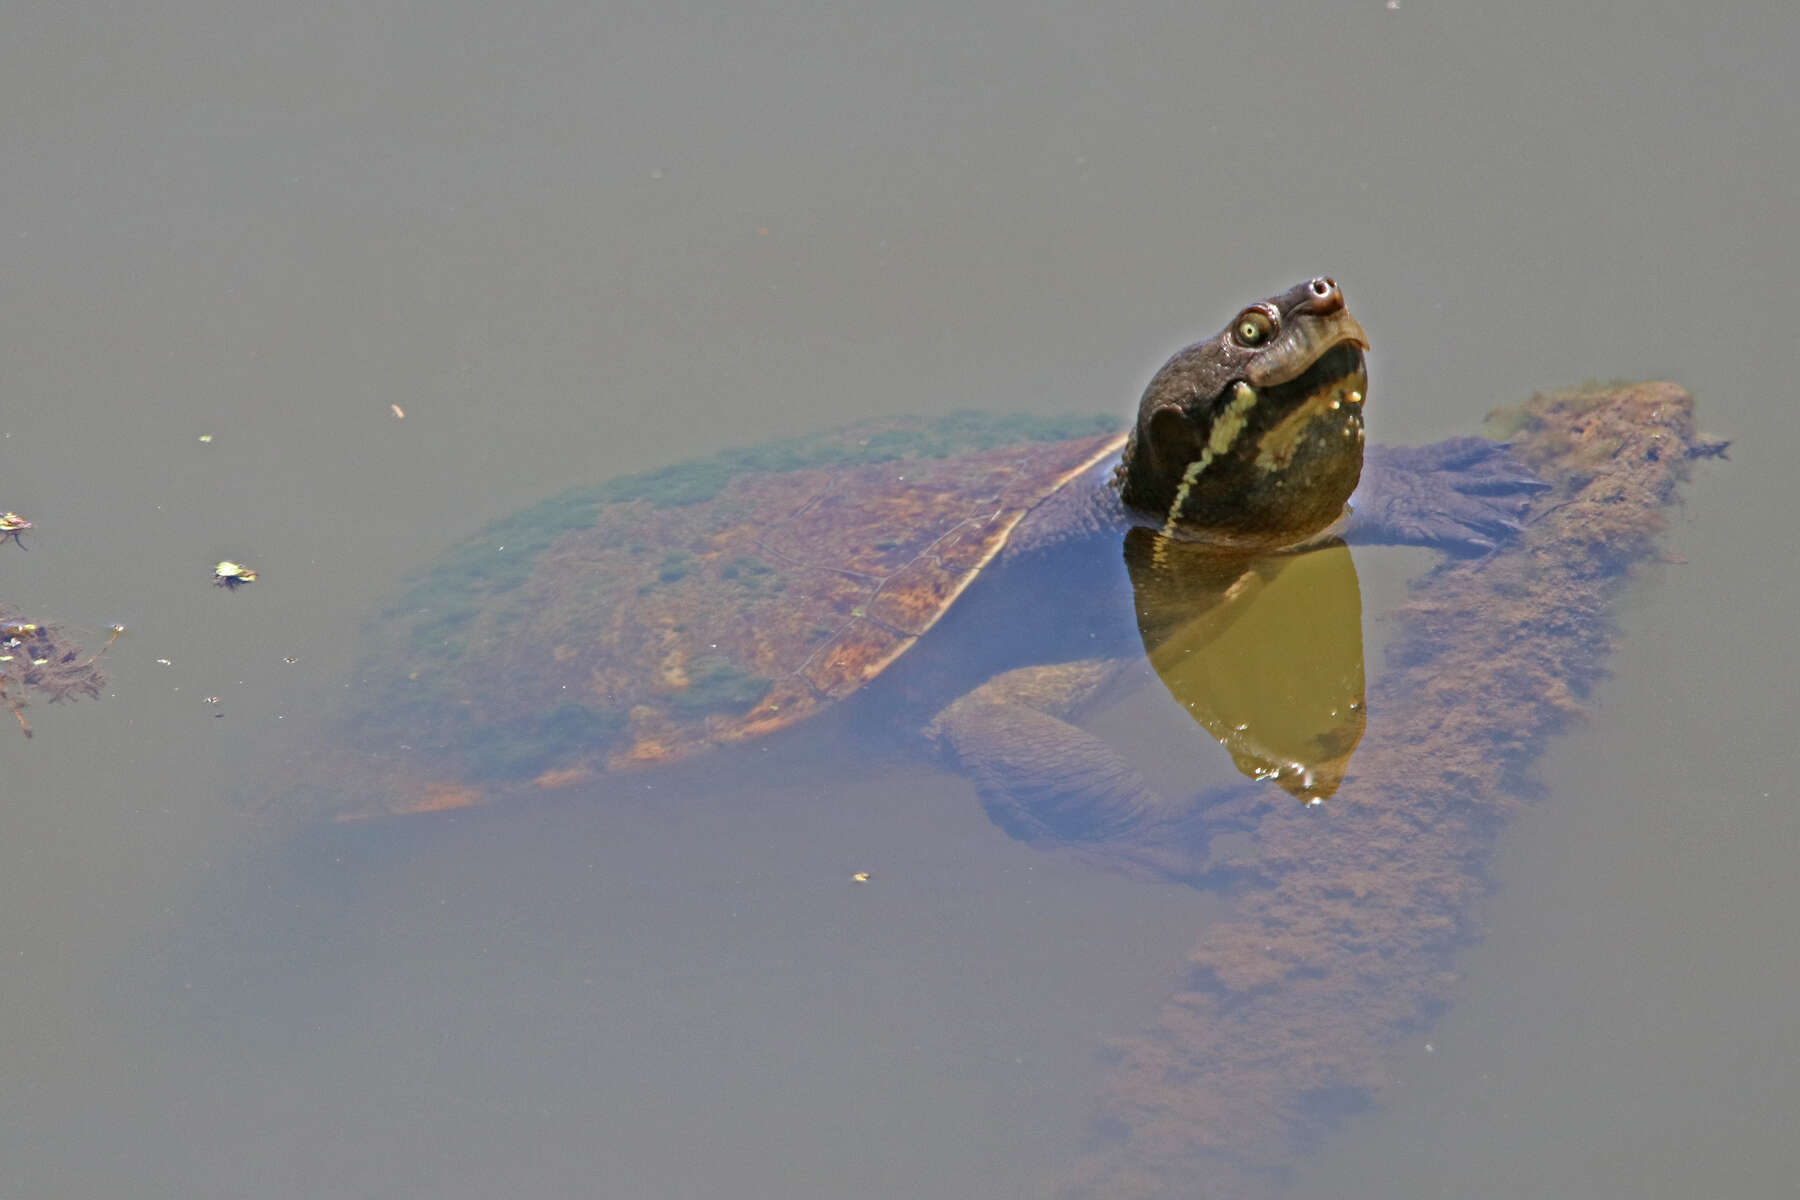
703, 479
521, 749
718, 685
503, 554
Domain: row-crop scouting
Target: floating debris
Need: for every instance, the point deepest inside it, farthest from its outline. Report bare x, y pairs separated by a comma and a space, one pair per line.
229, 574
38, 659
206, 437
399, 413
11, 526
860, 877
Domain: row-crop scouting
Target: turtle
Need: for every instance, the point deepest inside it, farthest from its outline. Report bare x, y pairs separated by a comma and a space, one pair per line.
969, 563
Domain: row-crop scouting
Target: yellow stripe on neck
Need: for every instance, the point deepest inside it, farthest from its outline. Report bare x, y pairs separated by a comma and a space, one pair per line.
1225, 431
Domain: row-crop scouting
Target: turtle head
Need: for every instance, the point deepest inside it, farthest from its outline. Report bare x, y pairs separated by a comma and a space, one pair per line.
1255, 436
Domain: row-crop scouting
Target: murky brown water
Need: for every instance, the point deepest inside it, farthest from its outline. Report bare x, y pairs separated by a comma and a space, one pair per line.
573, 242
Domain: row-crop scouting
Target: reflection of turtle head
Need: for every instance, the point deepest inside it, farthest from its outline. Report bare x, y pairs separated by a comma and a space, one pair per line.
1255, 435
1264, 652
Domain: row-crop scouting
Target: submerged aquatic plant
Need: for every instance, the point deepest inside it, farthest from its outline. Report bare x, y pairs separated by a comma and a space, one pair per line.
38, 659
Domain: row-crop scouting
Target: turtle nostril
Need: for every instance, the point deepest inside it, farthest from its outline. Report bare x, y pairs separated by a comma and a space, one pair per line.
1325, 297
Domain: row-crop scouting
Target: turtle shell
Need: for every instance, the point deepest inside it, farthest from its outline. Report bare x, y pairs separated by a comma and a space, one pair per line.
708, 603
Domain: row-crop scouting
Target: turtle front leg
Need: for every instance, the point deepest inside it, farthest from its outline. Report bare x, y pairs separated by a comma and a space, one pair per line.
1044, 780
1466, 493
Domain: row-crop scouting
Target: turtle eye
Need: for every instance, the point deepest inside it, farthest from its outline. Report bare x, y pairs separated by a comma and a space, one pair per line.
1252, 328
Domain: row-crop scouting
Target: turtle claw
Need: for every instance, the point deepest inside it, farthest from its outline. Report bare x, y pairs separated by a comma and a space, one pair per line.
1465, 494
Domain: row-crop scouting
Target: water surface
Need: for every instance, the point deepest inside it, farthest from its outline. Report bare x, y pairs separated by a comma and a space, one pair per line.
571, 242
